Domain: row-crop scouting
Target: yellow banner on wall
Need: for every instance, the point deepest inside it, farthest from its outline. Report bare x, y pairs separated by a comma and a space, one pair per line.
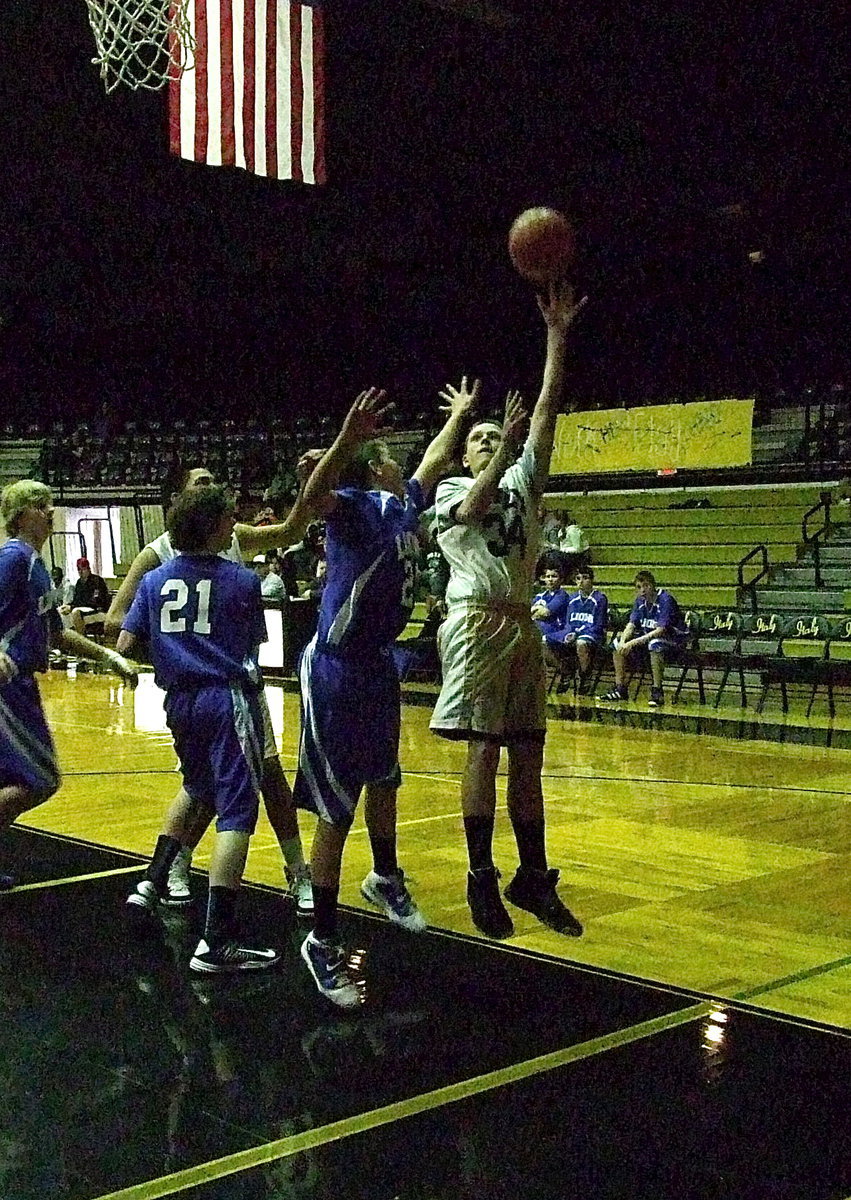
705, 434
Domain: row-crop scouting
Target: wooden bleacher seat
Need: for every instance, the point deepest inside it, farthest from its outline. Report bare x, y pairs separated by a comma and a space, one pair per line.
693, 551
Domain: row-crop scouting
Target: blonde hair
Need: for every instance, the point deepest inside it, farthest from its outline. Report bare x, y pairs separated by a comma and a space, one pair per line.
18, 497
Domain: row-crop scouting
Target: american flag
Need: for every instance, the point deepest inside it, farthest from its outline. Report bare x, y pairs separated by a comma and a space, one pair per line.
255, 98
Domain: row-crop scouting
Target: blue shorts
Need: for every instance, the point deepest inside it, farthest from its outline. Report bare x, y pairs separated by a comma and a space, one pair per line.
558, 639
350, 719
218, 736
667, 648
27, 754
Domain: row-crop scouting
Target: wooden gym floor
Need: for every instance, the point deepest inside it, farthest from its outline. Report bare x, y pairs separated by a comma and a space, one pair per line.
710, 863
694, 1043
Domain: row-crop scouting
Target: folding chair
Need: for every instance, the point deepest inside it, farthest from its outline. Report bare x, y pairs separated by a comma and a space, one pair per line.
757, 649
689, 656
835, 666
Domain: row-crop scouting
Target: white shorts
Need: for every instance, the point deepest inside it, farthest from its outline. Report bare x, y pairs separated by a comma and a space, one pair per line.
90, 617
270, 748
493, 676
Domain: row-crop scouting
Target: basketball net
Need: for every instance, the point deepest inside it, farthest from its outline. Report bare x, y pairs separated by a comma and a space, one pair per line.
141, 43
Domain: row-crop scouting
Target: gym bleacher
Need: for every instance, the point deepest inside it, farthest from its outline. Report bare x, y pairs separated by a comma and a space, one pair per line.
693, 540
758, 559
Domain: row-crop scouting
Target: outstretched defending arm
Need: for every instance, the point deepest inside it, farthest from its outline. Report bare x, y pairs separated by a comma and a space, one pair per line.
82, 647
440, 453
364, 421
257, 539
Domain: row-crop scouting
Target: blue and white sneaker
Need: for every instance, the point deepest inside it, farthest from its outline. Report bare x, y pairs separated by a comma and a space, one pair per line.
327, 963
390, 894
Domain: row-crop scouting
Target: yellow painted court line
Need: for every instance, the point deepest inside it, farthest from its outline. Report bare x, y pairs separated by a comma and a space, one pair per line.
52, 883
298, 1143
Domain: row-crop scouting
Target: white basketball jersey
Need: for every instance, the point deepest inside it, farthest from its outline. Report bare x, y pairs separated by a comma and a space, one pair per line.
493, 560
165, 552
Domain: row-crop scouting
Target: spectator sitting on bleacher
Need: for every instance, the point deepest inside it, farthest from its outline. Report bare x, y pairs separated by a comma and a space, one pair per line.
90, 601
316, 586
550, 526
561, 538
574, 546
271, 584
62, 590
59, 597
302, 558
663, 632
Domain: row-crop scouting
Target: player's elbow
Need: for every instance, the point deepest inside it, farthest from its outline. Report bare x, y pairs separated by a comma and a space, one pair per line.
113, 620
468, 514
126, 642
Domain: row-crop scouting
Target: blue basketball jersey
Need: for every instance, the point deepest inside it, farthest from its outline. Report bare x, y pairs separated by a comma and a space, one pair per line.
663, 612
28, 616
372, 552
202, 617
556, 603
586, 615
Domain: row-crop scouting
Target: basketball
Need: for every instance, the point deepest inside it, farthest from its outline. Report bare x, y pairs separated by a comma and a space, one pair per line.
542, 245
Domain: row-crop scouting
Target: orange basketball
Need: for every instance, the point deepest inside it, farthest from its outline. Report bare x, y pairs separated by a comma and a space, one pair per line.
542, 245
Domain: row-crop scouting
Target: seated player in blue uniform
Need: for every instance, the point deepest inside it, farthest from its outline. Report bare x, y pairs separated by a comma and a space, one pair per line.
350, 692
549, 607
585, 625
656, 628
549, 612
29, 627
201, 617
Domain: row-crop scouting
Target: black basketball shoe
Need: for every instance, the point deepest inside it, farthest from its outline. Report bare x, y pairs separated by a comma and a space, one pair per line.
489, 913
536, 892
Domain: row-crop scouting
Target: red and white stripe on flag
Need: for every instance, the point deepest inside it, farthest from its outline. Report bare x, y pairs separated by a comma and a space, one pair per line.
255, 97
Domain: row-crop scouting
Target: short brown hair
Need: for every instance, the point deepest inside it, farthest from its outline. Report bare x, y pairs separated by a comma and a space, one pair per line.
192, 519
645, 577
358, 472
477, 424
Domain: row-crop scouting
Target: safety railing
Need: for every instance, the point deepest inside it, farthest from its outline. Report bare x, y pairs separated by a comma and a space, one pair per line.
747, 590
813, 538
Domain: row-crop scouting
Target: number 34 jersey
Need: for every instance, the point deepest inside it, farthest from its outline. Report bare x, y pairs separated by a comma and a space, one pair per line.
494, 559
202, 618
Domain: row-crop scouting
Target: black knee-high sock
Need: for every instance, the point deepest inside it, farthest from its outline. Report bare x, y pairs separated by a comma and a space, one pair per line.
325, 912
479, 833
531, 844
167, 849
221, 916
383, 855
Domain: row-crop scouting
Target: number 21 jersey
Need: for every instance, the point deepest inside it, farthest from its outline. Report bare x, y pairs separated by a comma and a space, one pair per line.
202, 617
493, 559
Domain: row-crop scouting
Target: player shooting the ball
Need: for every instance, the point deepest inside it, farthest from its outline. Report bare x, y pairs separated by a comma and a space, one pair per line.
494, 691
